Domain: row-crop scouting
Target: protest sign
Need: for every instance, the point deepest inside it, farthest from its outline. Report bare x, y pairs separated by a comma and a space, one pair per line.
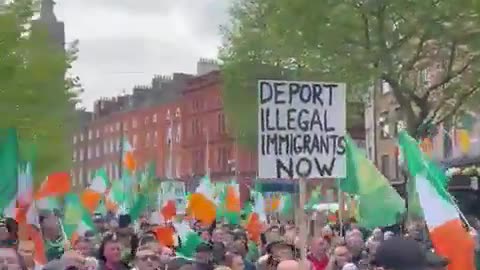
301, 129
173, 190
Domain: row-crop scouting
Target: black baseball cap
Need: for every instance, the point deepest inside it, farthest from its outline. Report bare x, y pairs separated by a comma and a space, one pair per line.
399, 253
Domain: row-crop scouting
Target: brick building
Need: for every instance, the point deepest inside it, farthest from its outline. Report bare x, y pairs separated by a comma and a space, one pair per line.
187, 137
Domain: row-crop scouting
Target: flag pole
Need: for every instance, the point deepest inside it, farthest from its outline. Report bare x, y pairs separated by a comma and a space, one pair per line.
207, 154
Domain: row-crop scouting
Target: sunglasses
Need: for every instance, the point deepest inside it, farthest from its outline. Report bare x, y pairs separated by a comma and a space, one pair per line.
151, 258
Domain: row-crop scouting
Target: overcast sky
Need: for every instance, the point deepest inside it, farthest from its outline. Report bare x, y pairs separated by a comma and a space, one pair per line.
125, 42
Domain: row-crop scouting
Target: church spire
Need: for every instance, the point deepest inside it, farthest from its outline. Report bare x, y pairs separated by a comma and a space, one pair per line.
46, 12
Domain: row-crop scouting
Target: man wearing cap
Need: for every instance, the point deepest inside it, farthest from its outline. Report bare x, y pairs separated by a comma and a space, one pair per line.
405, 254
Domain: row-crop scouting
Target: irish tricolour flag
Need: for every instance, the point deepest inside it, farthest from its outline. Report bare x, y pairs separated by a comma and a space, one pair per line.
450, 239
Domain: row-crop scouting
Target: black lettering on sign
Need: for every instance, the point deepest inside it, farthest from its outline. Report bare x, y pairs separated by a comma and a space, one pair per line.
303, 167
299, 122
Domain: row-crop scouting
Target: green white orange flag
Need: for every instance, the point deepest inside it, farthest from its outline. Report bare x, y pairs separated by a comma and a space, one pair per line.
8, 167
257, 219
77, 220
449, 237
286, 205
97, 189
201, 205
127, 157
56, 184
232, 203
35, 235
189, 240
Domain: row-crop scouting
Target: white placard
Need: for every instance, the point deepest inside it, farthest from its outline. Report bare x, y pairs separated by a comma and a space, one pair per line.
301, 129
173, 190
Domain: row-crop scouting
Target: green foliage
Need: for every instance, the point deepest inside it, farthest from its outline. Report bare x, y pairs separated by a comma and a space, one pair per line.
359, 42
36, 95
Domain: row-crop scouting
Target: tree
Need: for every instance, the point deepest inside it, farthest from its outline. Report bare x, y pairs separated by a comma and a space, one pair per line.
361, 42
36, 95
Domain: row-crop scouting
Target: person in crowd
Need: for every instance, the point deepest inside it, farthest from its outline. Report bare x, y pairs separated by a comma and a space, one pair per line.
240, 246
217, 235
276, 252
387, 235
12, 227
205, 235
350, 266
27, 250
99, 222
399, 253
218, 253
11, 259
146, 259
55, 243
377, 235
273, 233
110, 254
4, 234
340, 257
84, 246
355, 244
8, 233
288, 265
318, 254
204, 257
234, 261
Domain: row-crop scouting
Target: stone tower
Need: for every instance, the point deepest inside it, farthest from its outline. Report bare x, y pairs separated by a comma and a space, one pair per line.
48, 22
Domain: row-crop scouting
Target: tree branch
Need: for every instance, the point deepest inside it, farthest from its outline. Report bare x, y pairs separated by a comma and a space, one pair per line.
452, 75
460, 101
411, 63
451, 60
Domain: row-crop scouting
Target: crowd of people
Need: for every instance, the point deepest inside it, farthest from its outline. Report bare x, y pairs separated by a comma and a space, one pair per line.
118, 244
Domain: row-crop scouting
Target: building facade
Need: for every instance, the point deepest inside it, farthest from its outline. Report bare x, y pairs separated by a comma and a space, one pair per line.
187, 137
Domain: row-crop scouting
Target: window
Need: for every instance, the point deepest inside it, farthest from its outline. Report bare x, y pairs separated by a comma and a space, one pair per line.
111, 128
114, 145
155, 138
80, 176
167, 117
147, 139
424, 77
397, 166
105, 147
385, 126
386, 88
222, 158
81, 154
89, 176
154, 118
90, 133
135, 140
169, 135
386, 165
81, 137
74, 157
97, 133
177, 112
89, 153
119, 145
97, 151
111, 146
125, 126
221, 123
117, 126
74, 139
74, 178
134, 123
178, 134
